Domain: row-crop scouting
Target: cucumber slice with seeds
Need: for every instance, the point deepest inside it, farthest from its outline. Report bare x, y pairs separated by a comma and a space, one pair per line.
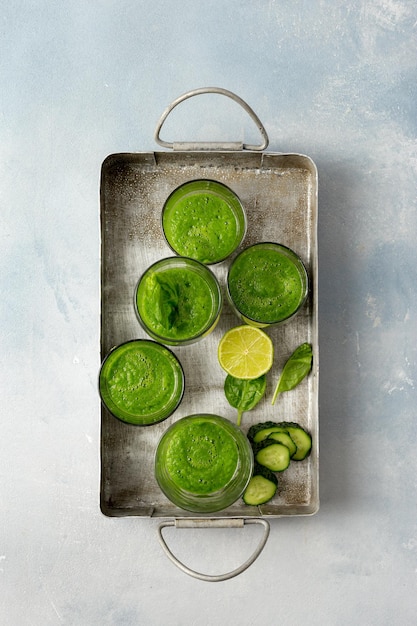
284, 438
261, 488
301, 438
273, 455
265, 432
253, 430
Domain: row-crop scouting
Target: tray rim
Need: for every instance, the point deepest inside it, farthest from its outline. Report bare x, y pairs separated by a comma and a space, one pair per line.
155, 158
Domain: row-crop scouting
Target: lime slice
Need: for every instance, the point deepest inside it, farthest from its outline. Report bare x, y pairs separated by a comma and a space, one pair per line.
246, 352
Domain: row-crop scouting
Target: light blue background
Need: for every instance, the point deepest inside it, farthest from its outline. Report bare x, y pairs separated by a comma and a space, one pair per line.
331, 79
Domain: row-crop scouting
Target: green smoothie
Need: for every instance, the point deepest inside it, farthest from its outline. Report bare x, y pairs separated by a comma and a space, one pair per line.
267, 283
203, 463
141, 382
201, 457
203, 220
178, 300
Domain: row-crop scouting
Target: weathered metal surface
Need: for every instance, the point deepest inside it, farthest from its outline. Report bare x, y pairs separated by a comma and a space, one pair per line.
279, 193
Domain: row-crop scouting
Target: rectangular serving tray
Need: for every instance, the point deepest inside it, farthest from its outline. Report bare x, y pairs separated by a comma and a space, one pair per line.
279, 193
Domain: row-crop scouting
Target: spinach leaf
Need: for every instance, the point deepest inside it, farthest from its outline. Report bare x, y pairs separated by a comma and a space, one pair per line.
168, 301
295, 369
243, 395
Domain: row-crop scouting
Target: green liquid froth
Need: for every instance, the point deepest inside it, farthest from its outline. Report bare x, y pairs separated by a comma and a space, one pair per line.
139, 380
201, 457
202, 226
266, 285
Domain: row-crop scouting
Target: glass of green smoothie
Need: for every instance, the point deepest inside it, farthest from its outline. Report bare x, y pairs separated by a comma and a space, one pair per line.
267, 284
203, 463
178, 301
141, 382
204, 220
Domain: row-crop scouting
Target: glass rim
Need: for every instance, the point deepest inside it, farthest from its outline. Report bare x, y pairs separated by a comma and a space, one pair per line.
209, 181
198, 266
180, 378
304, 277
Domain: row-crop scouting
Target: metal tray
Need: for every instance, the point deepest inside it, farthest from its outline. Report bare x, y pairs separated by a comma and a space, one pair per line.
279, 193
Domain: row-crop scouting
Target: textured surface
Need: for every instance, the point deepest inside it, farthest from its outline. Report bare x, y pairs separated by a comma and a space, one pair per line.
330, 79
279, 194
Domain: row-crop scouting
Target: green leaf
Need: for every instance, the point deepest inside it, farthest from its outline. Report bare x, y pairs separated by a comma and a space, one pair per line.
244, 395
295, 369
168, 301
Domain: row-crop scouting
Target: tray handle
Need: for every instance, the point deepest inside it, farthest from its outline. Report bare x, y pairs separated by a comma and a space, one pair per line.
214, 523
211, 145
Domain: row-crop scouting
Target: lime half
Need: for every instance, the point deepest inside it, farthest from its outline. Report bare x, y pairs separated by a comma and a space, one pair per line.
246, 352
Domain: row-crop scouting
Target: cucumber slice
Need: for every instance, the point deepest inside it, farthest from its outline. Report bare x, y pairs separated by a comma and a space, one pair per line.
261, 488
253, 430
259, 491
300, 437
284, 438
273, 455
260, 435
